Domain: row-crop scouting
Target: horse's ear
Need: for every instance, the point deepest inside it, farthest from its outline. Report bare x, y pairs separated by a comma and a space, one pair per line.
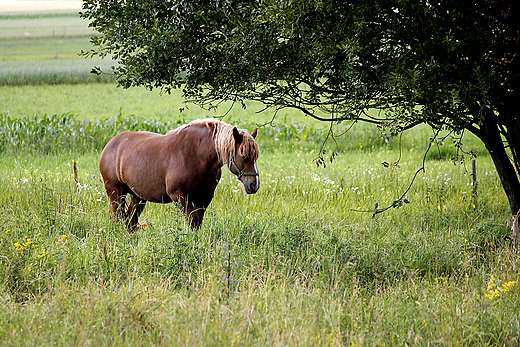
253, 133
238, 137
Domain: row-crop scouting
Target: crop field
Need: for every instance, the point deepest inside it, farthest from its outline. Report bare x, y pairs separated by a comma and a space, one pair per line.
43, 49
303, 262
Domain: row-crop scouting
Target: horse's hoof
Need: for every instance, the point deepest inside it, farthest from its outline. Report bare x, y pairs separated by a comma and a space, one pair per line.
142, 226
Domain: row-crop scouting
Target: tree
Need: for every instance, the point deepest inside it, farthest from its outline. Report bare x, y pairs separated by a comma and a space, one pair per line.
453, 65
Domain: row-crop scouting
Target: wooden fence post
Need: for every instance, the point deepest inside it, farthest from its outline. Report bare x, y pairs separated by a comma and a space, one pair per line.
474, 191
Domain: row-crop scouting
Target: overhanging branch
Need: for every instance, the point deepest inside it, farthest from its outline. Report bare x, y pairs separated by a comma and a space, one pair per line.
402, 199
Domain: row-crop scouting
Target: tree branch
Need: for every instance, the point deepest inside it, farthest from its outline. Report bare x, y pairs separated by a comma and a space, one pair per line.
399, 202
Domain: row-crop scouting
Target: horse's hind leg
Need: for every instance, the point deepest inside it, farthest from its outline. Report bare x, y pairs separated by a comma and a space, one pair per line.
134, 211
117, 200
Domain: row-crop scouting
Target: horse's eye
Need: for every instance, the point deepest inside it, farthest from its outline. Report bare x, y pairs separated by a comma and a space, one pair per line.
244, 157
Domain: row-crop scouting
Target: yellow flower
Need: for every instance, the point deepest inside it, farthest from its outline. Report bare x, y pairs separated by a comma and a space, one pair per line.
508, 285
42, 253
491, 283
494, 291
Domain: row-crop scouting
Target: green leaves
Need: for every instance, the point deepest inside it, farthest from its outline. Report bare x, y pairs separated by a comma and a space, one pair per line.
339, 52
338, 57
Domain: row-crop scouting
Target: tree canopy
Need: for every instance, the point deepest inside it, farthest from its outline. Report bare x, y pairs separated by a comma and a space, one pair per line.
450, 64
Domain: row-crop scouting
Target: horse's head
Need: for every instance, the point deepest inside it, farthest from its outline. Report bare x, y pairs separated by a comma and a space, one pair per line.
243, 160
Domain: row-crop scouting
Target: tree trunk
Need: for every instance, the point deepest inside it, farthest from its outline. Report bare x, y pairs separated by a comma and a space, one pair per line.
490, 136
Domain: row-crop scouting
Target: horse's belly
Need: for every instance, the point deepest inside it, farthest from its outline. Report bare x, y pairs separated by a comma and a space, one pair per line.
150, 191
163, 199
147, 185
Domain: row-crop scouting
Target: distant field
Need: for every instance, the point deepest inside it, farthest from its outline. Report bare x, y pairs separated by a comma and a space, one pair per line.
51, 72
25, 26
42, 48
98, 101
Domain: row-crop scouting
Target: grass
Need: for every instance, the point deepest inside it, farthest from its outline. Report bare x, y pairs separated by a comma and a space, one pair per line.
263, 269
102, 101
294, 264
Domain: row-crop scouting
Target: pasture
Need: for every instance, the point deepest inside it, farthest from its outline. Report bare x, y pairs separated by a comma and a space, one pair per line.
294, 264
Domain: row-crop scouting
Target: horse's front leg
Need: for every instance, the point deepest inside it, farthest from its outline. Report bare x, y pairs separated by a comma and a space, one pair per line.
193, 212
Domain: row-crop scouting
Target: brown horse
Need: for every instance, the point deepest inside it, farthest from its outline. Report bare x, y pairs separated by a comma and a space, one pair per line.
182, 166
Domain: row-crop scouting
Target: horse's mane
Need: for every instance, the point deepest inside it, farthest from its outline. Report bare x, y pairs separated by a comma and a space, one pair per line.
224, 141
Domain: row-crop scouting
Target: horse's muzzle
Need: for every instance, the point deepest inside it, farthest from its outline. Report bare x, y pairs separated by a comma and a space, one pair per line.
251, 187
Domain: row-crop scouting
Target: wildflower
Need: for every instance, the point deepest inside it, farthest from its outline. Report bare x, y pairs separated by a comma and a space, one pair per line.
491, 283
494, 291
41, 254
27, 242
61, 241
18, 246
507, 286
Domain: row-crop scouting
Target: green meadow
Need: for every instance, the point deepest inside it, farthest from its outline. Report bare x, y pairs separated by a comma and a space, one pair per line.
302, 262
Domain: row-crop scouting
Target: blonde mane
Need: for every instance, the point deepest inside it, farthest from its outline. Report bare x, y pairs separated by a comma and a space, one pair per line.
224, 140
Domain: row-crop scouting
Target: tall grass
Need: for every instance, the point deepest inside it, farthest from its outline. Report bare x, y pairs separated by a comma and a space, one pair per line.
290, 265
52, 133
